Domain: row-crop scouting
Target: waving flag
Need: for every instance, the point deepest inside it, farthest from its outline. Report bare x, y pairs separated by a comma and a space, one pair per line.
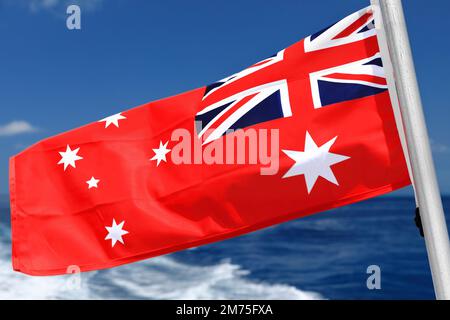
347, 82
305, 130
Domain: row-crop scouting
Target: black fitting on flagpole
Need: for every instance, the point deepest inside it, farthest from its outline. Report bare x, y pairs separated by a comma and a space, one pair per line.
418, 222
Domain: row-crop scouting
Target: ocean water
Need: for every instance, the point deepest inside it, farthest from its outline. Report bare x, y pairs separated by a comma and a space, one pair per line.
324, 256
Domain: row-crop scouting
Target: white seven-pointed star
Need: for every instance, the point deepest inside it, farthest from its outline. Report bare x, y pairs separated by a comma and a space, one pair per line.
160, 153
115, 233
93, 183
314, 162
114, 119
69, 157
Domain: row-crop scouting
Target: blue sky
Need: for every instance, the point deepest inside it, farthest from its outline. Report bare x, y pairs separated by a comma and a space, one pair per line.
131, 52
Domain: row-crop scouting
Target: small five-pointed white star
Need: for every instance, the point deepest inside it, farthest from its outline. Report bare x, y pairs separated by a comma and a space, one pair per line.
314, 162
114, 119
69, 157
93, 183
160, 153
115, 232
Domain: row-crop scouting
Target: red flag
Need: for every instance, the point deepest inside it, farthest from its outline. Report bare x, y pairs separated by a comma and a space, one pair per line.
308, 129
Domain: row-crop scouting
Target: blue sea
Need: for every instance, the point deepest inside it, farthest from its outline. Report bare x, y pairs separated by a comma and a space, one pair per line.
324, 256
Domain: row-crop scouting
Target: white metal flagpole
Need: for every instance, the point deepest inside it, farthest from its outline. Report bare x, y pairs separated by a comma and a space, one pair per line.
424, 176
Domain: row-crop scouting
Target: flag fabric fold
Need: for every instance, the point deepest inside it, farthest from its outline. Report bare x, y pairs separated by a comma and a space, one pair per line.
308, 129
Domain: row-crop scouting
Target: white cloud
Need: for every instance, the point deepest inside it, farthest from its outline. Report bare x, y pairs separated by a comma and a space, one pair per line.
16, 127
55, 6
437, 147
36, 5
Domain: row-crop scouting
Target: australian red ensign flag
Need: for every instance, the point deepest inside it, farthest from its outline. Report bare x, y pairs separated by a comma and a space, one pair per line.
307, 129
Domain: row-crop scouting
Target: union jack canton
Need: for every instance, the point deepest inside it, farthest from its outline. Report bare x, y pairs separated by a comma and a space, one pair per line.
258, 93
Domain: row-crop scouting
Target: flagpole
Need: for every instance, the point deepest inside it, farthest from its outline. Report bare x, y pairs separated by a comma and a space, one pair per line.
424, 176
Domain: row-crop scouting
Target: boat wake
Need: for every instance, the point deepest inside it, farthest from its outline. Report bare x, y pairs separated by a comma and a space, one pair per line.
157, 278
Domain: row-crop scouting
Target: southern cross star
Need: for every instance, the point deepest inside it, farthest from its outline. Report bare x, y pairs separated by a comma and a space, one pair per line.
69, 157
160, 153
314, 162
115, 233
93, 183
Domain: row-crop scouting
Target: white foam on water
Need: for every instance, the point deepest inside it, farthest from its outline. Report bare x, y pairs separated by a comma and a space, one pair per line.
14, 285
166, 278
157, 278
